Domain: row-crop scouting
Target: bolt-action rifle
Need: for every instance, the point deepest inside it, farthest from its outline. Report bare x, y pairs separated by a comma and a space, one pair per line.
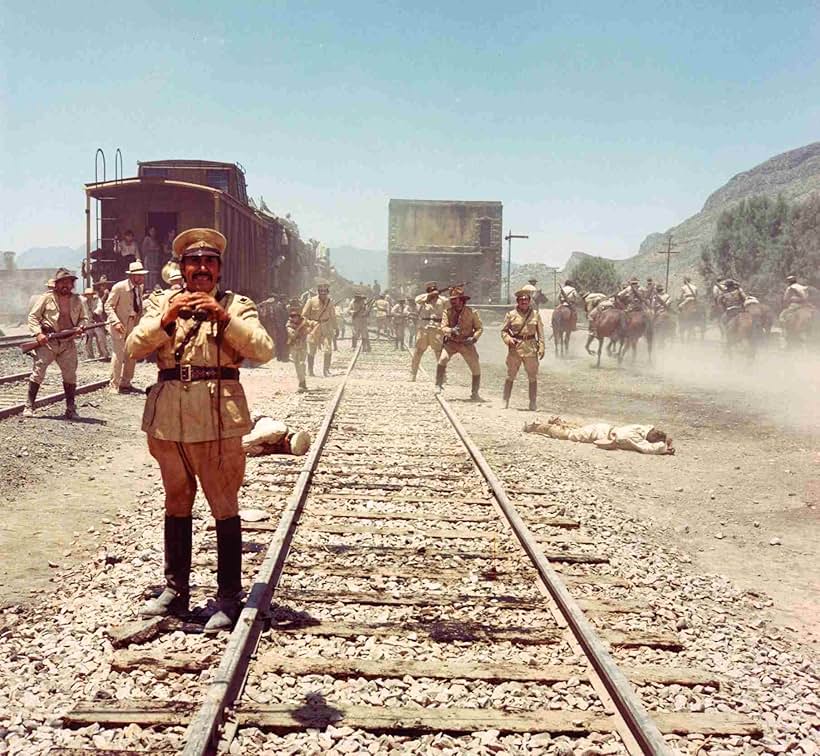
68, 333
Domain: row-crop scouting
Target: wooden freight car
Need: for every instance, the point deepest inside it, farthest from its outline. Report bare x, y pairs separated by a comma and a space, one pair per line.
264, 252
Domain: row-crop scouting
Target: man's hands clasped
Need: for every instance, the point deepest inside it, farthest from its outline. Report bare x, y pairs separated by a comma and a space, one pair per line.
195, 300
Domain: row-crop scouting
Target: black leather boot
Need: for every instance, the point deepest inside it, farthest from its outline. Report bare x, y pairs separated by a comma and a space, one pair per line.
476, 385
533, 394
507, 393
33, 388
228, 575
175, 598
441, 372
70, 403
310, 359
326, 365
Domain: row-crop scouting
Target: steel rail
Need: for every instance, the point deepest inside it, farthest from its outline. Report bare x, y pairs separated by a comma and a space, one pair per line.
87, 388
26, 373
635, 716
202, 735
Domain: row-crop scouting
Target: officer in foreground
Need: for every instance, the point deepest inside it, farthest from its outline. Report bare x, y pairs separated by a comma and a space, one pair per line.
196, 414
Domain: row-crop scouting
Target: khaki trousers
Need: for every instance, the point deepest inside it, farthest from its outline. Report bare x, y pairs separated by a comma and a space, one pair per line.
221, 476
297, 357
514, 362
64, 353
467, 351
426, 337
122, 366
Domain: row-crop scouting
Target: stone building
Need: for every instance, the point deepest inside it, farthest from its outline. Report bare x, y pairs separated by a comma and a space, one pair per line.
448, 241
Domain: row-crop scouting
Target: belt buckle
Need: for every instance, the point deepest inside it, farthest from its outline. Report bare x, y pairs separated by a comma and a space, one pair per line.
185, 373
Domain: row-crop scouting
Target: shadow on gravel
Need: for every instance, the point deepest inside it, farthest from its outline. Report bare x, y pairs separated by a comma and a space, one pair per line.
317, 712
283, 617
76, 420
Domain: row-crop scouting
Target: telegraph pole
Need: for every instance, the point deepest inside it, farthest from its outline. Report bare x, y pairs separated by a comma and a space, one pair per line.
508, 238
668, 252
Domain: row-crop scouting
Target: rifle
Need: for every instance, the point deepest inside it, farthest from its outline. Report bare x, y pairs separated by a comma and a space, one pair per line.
68, 333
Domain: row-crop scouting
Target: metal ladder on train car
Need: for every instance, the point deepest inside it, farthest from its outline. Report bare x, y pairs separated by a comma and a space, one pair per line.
99, 219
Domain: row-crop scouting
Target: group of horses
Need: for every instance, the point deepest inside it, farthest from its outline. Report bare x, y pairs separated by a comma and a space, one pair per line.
624, 328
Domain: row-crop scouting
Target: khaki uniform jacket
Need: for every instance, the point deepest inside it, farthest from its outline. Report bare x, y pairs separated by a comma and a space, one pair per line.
381, 307
633, 298
568, 295
518, 325
357, 310
688, 291
795, 294
469, 323
298, 332
46, 312
732, 298
119, 307
400, 314
324, 314
430, 313
189, 412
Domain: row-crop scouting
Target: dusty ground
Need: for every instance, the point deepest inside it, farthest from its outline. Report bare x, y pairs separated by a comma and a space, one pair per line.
747, 468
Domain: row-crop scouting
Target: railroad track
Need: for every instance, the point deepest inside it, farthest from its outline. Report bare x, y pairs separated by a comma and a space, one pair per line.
410, 597
94, 373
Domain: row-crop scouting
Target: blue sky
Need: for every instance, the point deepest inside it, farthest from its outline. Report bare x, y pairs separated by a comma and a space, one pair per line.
594, 123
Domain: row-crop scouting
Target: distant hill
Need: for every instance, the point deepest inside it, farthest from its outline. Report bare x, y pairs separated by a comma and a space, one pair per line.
51, 257
355, 264
795, 175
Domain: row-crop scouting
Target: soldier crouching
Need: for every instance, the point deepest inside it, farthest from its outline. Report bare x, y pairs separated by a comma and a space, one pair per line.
196, 414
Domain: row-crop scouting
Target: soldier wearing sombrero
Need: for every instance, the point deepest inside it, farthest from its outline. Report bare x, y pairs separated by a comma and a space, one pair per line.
123, 309
462, 328
196, 414
57, 310
429, 335
322, 310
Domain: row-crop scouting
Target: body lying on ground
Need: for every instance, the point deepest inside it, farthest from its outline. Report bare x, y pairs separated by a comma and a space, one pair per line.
646, 439
269, 436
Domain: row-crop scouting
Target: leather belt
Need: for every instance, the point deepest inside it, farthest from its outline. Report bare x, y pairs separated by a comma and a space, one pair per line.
527, 338
188, 373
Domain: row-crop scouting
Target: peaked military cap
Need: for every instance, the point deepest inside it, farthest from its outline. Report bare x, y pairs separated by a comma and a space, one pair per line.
634, 280
204, 242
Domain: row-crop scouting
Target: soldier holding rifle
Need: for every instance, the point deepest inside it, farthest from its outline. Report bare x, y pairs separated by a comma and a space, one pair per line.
322, 310
299, 329
56, 319
429, 335
523, 333
462, 328
196, 414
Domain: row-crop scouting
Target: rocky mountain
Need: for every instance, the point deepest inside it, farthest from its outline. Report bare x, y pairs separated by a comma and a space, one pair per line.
360, 265
51, 257
795, 175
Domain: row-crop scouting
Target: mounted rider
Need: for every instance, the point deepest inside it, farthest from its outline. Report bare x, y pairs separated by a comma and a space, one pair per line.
568, 295
537, 296
688, 295
661, 301
631, 297
795, 297
649, 290
732, 300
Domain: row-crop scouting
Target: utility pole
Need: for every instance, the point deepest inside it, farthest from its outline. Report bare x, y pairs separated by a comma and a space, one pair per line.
508, 238
668, 252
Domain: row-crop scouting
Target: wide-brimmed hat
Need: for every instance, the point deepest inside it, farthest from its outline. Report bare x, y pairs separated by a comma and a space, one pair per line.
63, 273
203, 242
523, 293
135, 269
431, 286
457, 292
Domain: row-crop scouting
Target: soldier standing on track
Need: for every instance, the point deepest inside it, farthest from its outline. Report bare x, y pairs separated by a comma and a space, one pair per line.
95, 313
429, 334
322, 310
196, 414
299, 329
124, 308
399, 315
523, 333
358, 311
58, 310
462, 328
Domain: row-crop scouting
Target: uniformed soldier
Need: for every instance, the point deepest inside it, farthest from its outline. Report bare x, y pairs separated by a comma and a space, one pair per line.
358, 311
58, 310
731, 300
537, 297
322, 310
568, 294
95, 314
462, 328
523, 333
688, 293
661, 302
299, 329
196, 414
412, 321
429, 333
649, 290
631, 296
399, 315
795, 297
381, 310
607, 303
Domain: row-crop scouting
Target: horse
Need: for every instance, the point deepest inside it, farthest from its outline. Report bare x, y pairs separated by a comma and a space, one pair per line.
564, 320
637, 323
743, 328
763, 314
664, 327
608, 325
692, 316
800, 325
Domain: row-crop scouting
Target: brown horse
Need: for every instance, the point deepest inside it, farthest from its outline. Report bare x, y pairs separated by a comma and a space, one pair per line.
743, 329
800, 326
637, 323
564, 320
608, 325
692, 317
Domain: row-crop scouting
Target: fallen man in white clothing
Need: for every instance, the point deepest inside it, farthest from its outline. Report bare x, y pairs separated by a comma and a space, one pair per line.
646, 439
269, 436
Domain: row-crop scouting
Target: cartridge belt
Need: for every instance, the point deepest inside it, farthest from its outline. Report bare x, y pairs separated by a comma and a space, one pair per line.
188, 373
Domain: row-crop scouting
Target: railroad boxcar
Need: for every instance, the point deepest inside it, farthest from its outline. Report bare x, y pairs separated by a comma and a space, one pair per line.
264, 252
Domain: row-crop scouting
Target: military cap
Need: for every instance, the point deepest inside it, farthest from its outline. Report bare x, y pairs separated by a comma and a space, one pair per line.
634, 280
730, 283
533, 281
791, 278
649, 279
322, 283
203, 242
523, 293
659, 288
63, 273
431, 286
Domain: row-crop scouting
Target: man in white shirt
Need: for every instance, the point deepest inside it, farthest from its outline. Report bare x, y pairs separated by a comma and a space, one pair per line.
124, 308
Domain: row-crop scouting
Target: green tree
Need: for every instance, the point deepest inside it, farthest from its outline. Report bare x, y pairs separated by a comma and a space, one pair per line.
595, 274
